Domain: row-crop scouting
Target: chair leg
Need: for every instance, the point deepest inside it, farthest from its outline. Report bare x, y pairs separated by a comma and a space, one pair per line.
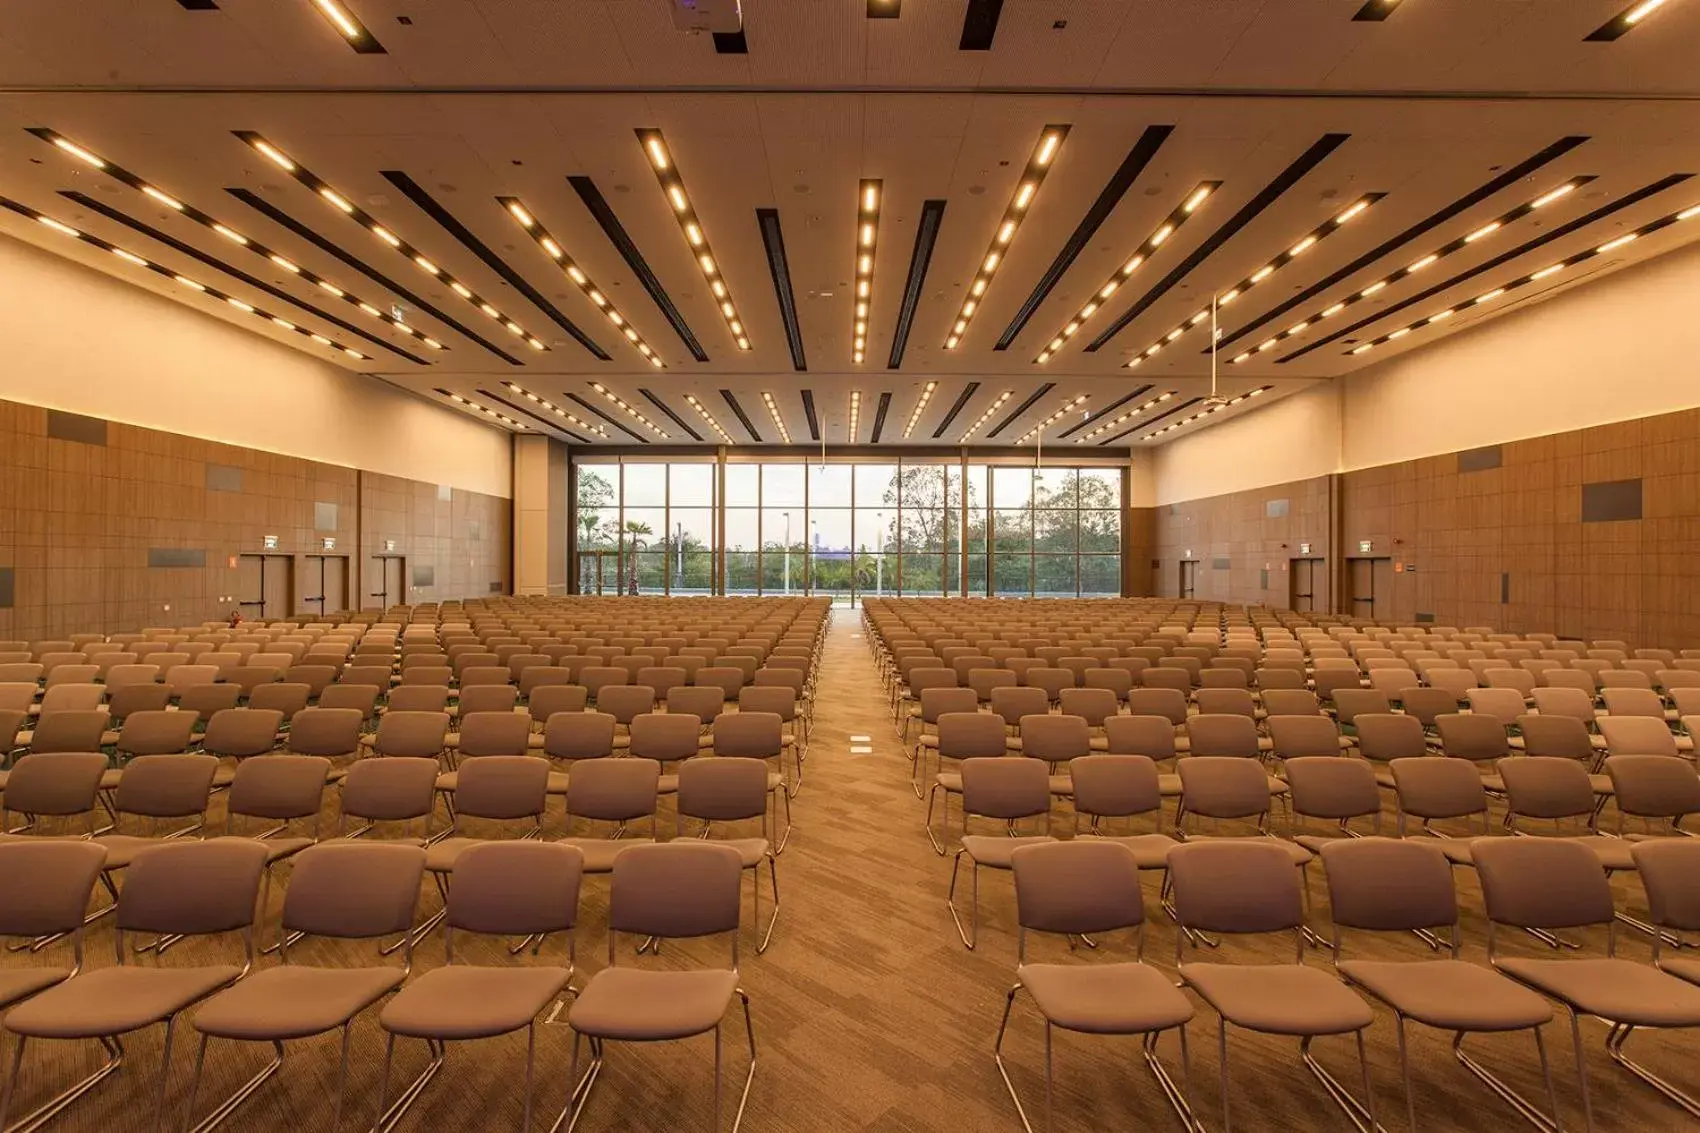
1222, 1044
750, 1077
755, 879
1050, 1107
944, 820
1581, 1068
164, 1073
1176, 1095
389, 1118
1405, 1072
1614, 1047
1525, 1109
579, 1096
52, 1108
530, 1062
229, 1105
1360, 1114
968, 938
997, 1058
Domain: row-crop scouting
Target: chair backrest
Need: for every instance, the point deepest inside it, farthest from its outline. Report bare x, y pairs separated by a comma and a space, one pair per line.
1563, 736
1561, 701
241, 732
664, 737
1389, 885
353, 890
1546, 786
1294, 702
45, 885
394, 789
287, 698
1302, 736
623, 701
1349, 703
72, 698
1222, 735
503, 787
1503, 704
362, 698
970, 735
54, 783
418, 698
1115, 786
1081, 886
1055, 738
723, 789
488, 698
1474, 737
1637, 735
579, 735
1005, 788
1333, 788
1549, 883
156, 732
191, 887
1651, 786
683, 888
759, 735
514, 888
614, 790
68, 731
1150, 736
1438, 788
326, 731
1223, 786
1011, 704
279, 787
494, 733
411, 733
1238, 886
1670, 869
1225, 702
1633, 702
1167, 702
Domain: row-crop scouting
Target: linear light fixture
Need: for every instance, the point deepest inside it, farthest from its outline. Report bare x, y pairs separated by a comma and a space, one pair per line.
1374, 11
1067, 408
673, 187
1038, 165
620, 403
135, 260
124, 176
1421, 263
1298, 248
552, 248
855, 426
691, 400
778, 421
1626, 20
1125, 417
343, 205
1147, 248
1536, 276
477, 408
868, 200
351, 29
1203, 413
920, 407
582, 424
991, 410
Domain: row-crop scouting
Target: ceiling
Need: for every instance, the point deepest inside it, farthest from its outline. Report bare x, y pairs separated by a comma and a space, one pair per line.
1441, 119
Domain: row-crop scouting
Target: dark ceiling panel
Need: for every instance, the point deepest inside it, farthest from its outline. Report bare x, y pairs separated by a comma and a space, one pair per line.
603, 213
926, 235
779, 269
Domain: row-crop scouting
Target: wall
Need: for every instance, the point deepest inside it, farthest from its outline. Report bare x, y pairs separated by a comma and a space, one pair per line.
86, 504
1243, 543
80, 340
1292, 438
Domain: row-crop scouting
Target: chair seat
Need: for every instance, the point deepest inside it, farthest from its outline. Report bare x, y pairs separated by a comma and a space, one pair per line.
440, 857
116, 1000
1457, 851
1385, 780
599, 853
1105, 999
21, 983
1454, 995
646, 1005
223, 776
1299, 854
1619, 991
752, 850
1169, 786
994, 850
1061, 786
1601, 784
1614, 853
949, 781
110, 778
1681, 968
1150, 851
293, 1001
1314, 842
667, 785
121, 849
460, 1001
278, 848
1280, 999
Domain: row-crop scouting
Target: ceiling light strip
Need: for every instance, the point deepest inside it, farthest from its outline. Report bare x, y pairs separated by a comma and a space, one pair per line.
621, 404
1421, 263
660, 159
773, 412
535, 399
1124, 418
1624, 22
920, 407
1067, 408
344, 205
1547, 272
869, 196
228, 232
351, 29
991, 410
1207, 412
182, 280
1561, 232
1298, 248
1147, 248
552, 248
854, 428
485, 410
691, 400
1027, 188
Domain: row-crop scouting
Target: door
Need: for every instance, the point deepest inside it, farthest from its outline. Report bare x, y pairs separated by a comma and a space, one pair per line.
1372, 587
322, 587
1301, 584
388, 580
1189, 577
263, 586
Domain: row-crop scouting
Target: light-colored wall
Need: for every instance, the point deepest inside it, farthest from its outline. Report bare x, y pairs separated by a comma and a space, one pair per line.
78, 340
1623, 347
1293, 438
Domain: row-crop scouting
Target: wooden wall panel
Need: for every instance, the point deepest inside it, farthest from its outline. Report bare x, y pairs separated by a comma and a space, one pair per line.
77, 521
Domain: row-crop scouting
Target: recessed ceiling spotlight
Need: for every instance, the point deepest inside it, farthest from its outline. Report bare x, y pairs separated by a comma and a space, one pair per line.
660, 158
1038, 165
341, 202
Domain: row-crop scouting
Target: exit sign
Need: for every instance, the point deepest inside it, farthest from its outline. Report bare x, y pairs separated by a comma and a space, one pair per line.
1365, 546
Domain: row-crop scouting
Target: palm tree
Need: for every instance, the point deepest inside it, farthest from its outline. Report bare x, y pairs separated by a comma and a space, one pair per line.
636, 529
